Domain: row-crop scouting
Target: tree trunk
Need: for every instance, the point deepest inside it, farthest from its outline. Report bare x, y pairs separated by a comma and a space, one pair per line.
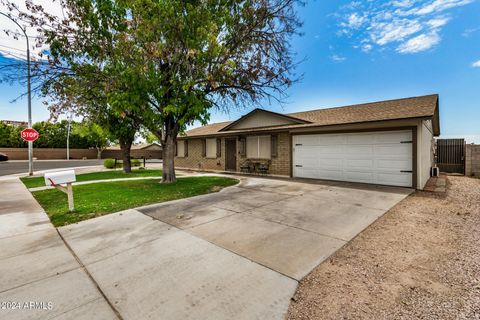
99, 153
168, 149
125, 146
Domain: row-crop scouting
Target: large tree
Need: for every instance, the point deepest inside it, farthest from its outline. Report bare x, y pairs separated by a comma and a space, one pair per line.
167, 63
95, 133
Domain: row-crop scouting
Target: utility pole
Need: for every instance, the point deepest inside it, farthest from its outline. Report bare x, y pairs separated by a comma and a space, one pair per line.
68, 136
30, 143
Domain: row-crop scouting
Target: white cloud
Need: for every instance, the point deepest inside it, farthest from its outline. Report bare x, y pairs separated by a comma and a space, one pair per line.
439, 6
438, 22
406, 26
469, 31
476, 64
419, 43
397, 30
366, 47
337, 58
403, 3
355, 20
16, 48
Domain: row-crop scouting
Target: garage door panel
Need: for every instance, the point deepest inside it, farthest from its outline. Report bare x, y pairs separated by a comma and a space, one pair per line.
360, 163
395, 179
329, 174
332, 163
397, 150
360, 138
393, 137
359, 150
394, 164
314, 151
372, 157
314, 164
319, 174
304, 153
315, 140
328, 150
331, 140
359, 176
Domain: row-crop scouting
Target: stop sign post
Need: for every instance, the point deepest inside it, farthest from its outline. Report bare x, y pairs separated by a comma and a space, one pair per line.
29, 134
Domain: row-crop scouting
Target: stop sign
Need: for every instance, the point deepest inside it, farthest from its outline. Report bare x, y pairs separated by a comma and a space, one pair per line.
29, 134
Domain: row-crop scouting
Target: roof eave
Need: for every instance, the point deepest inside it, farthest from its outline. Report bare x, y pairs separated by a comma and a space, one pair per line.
436, 120
299, 121
280, 128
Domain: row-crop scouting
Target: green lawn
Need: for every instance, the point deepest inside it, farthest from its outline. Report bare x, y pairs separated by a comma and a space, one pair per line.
32, 182
93, 200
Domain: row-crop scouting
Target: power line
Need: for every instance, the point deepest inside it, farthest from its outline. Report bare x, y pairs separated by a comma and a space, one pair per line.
13, 54
12, 48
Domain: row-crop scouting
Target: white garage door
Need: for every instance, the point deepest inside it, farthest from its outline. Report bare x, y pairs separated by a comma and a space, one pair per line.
373, 157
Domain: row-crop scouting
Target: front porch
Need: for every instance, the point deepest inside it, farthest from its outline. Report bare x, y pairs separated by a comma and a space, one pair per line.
266, 154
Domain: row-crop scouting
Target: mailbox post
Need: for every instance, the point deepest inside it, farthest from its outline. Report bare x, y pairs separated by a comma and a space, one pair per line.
56, 179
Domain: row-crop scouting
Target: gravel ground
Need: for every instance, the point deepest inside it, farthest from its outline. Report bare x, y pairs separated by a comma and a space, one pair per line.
421, 260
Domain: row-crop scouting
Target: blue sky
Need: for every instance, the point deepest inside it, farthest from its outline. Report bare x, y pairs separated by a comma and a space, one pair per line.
361, 51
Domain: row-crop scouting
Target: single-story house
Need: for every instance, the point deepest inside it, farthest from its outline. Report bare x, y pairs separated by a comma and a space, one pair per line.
141, 150
387, 143
139, 146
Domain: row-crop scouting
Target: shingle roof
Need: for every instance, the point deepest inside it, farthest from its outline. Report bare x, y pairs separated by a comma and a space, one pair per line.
208, 129
415, 107
139, 146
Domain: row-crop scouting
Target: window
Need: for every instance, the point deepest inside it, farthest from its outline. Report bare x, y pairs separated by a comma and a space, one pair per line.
259, 147
181, 148
211, 148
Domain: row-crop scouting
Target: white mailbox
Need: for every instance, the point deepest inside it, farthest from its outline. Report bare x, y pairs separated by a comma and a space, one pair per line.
56, 179
61, 177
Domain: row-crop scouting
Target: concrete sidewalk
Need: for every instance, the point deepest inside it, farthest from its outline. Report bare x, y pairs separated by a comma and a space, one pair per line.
151, 270
39, 276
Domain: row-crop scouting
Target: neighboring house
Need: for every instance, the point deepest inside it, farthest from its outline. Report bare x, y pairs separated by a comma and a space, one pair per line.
387, 142
15, 123
144, 150
140, 146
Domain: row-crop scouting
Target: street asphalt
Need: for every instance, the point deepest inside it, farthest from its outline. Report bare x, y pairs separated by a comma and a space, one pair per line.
21, 166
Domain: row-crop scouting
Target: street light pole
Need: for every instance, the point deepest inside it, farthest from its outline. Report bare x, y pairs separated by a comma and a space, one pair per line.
68, 136
30, 143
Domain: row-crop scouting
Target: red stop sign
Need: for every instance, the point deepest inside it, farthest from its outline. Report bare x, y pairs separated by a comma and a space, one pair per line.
29, 134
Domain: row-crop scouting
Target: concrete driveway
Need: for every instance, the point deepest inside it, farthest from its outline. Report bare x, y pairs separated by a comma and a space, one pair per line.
289, 227
236, 254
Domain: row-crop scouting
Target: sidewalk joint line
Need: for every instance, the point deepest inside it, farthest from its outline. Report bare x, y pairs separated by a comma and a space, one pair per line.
117, 313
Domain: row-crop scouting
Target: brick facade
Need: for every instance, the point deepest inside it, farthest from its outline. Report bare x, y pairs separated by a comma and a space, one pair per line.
195, 160
279, 165
472, 160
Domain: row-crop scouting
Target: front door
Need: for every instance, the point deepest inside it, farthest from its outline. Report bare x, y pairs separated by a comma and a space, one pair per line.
231, 154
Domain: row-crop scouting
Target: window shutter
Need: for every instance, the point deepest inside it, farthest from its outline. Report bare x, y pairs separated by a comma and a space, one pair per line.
243, 147
185, 148
219, 148
204, 148
176, 149
274, 146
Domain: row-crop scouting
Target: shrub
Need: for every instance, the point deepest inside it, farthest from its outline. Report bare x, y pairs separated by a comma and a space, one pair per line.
135, 163
109, 163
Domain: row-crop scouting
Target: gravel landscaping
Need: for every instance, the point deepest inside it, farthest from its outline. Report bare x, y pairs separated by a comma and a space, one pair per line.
421, 260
